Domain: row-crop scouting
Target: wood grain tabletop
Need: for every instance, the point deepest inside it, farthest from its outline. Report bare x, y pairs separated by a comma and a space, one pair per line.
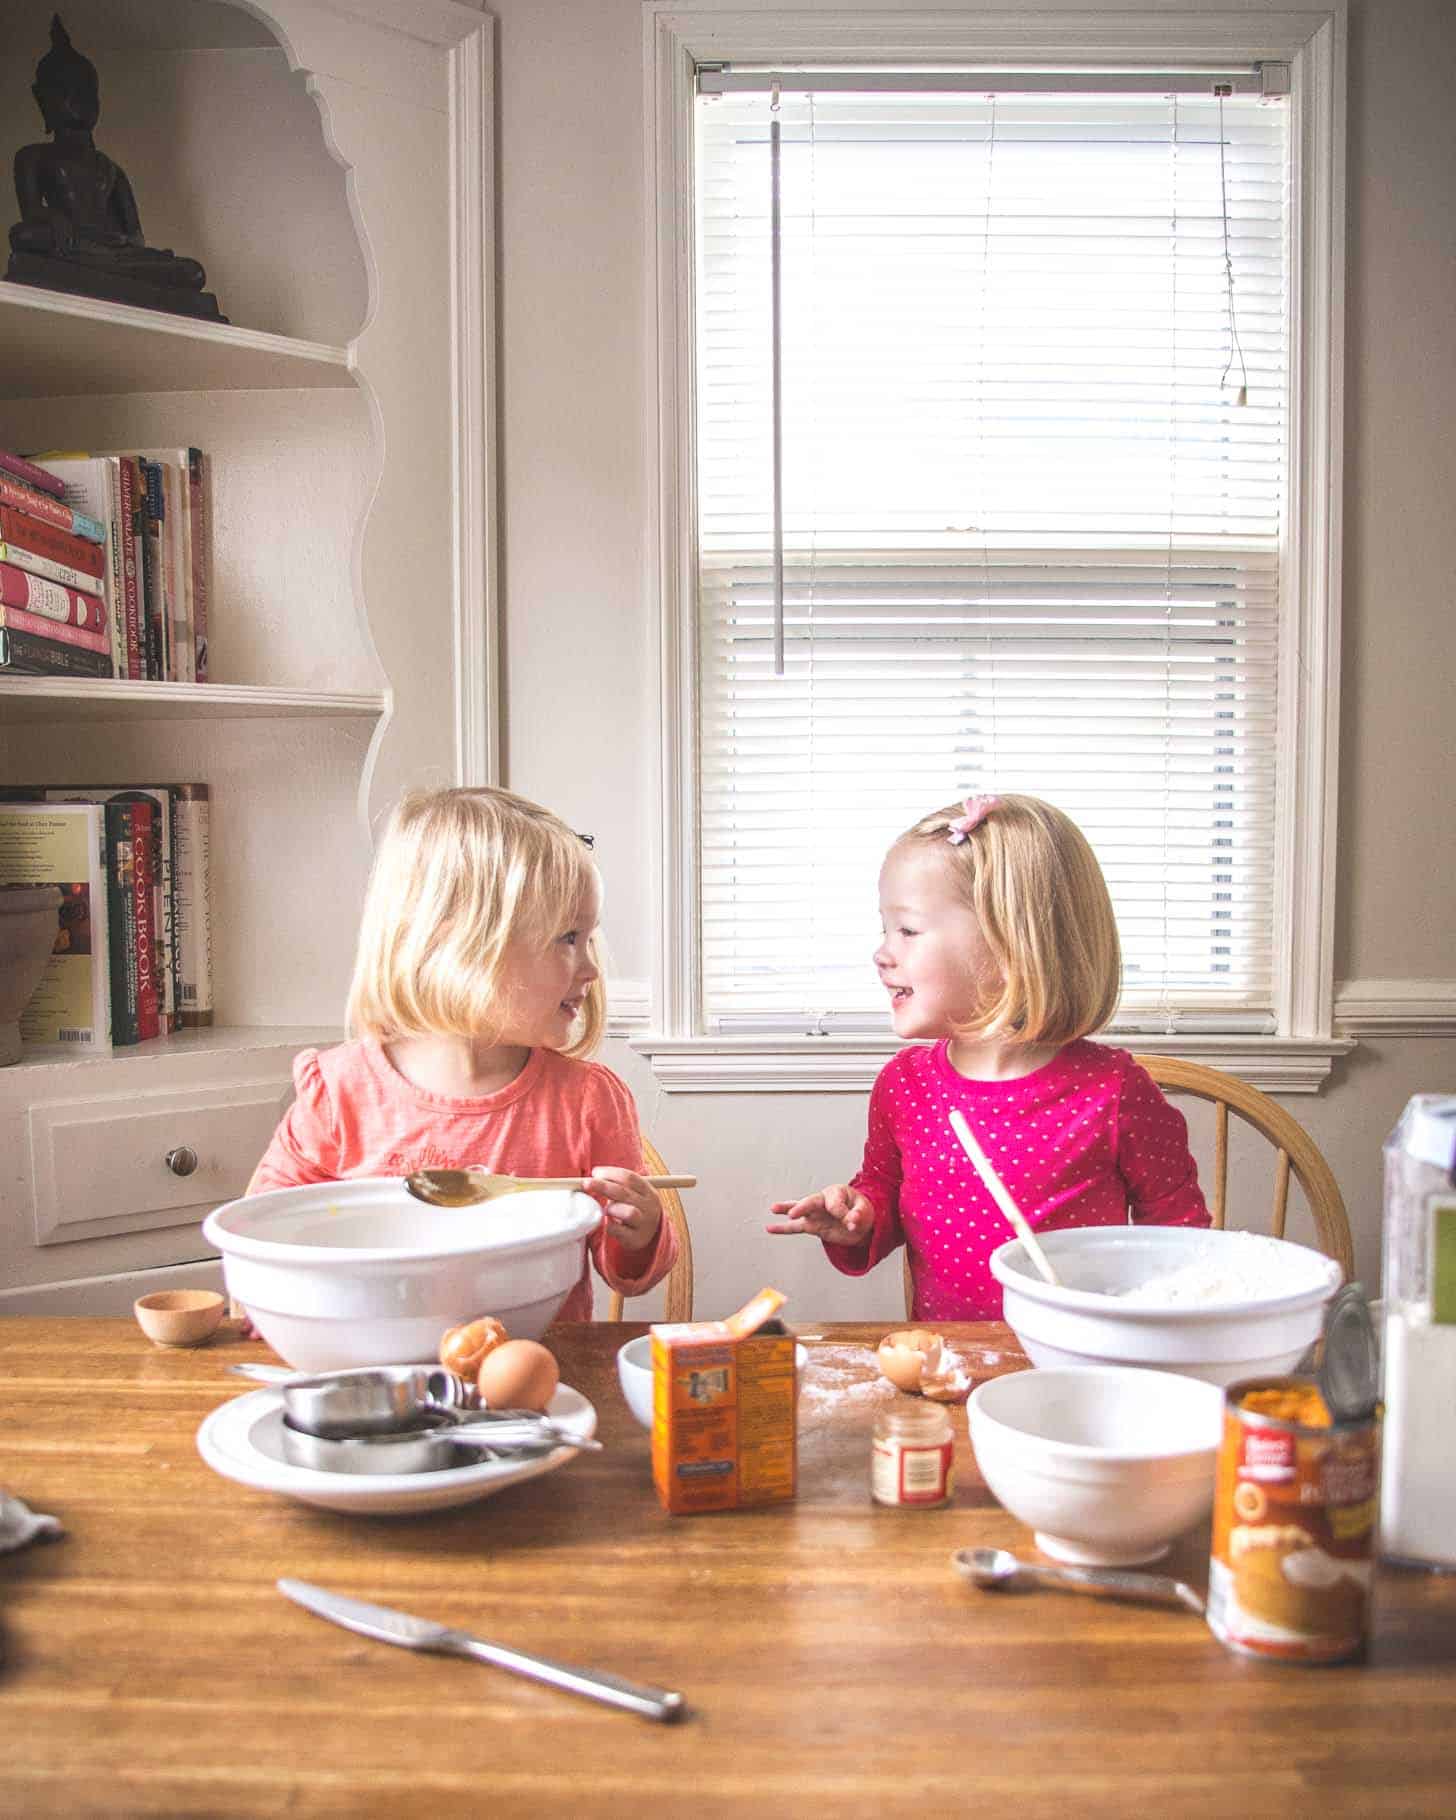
832, 1660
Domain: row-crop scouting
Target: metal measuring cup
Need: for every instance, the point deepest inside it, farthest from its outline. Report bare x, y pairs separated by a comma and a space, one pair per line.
434, 1444
369, 1400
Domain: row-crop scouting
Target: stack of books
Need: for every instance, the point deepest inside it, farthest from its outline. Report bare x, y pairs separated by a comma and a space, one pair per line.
133, 952
104, 565
54, 615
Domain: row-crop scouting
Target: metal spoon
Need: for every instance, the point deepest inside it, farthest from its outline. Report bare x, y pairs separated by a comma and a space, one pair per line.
466, 1187
998, 1568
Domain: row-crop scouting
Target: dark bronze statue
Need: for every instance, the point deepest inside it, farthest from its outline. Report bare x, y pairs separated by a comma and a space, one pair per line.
78, 229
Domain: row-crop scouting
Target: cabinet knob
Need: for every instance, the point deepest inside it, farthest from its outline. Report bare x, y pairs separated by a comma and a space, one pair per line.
182, 1160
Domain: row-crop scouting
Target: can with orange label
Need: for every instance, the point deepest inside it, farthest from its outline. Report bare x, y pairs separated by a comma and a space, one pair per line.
1294, 1510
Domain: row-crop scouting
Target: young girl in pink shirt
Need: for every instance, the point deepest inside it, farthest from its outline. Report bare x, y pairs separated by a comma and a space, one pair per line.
1000, 944
477, 996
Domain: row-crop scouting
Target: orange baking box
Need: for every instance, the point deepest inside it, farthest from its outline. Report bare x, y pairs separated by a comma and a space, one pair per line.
724, 1410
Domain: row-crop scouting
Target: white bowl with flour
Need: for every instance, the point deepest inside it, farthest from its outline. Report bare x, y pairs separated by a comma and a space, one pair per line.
1213, 1305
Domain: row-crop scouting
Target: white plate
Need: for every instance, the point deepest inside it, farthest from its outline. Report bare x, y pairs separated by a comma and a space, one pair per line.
243, 1440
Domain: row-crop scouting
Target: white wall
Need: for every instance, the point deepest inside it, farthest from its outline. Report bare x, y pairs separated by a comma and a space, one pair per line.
579, 678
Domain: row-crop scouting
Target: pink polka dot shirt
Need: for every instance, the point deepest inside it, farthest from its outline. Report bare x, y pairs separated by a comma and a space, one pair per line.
1087, 1140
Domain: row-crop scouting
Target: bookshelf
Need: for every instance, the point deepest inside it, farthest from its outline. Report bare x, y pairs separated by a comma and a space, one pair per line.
47, 700
339, 200
52, 346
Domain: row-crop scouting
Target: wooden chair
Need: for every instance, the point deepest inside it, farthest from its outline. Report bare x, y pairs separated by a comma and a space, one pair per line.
1295, 1151
679, 1286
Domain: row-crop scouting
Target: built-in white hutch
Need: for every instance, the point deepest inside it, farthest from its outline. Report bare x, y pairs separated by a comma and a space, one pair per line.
330, 166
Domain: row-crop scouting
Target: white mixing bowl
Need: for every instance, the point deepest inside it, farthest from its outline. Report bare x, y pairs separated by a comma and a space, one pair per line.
634, 1374
361, 1273
1089, 1319
1106, 1465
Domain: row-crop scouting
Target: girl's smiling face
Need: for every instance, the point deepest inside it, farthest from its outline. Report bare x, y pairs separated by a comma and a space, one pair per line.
546, 986
933, 959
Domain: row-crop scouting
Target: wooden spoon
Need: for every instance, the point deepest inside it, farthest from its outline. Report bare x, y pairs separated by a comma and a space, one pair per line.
465, 1187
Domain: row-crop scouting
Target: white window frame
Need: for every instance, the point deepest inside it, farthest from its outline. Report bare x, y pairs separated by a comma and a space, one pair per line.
1152, 33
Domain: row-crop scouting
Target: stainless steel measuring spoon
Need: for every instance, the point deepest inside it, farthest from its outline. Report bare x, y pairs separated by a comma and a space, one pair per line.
998, 1568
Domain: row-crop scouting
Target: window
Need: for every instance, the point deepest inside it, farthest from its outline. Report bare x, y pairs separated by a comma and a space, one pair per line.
1036, 340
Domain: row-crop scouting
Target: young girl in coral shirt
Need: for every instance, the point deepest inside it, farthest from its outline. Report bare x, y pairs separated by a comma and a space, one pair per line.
477, 997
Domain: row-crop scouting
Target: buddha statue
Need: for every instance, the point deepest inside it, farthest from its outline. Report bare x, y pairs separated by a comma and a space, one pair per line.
79, 229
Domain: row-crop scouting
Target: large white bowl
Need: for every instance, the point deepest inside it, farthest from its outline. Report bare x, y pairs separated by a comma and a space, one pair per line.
634, 1374
1087, 1319
360, 1273
1107, 1465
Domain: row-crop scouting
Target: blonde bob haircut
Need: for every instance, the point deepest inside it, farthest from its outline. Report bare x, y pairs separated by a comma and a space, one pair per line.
1037, 891
460, 880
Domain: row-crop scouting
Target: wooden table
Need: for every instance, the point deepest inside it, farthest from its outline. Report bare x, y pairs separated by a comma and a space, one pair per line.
834, 1662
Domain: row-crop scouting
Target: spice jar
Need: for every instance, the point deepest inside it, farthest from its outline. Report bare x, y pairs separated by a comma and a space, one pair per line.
913, 1447
1418, 1479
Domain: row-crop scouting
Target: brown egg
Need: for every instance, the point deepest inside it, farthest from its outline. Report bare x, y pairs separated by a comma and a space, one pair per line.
519, 1375
909, 1357
463, 1349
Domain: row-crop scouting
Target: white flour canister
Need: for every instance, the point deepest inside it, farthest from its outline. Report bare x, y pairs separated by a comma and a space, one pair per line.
1418, 1469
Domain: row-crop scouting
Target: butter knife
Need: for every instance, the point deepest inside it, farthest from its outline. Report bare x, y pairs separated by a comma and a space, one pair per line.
387, 1626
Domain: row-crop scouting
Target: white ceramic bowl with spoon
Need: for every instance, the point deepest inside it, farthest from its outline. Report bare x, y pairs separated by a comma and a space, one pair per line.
1106, 1465
1213, 1305
360, 1273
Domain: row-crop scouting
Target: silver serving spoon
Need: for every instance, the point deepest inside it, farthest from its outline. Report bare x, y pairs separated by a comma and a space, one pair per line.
466, 1187
998, 1568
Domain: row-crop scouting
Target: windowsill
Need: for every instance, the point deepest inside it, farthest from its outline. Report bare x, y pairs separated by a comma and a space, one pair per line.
843, 1064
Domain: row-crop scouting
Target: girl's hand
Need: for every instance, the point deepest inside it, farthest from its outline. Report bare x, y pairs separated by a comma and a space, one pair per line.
839, 1215
630, 1204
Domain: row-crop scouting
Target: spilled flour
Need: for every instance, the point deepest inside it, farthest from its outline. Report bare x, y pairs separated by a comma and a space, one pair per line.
840, 1377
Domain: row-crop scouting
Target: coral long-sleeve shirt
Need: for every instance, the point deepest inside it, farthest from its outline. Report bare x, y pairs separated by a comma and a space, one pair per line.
1087, 1140
355, 1115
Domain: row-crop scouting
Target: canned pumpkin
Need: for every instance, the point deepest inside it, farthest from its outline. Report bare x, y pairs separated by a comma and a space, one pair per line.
1293, 1524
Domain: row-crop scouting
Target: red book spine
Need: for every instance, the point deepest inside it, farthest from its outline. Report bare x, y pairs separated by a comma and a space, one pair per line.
50, 599
143, 883
130, 604
42, 538
40, 505
16, 619
32, 475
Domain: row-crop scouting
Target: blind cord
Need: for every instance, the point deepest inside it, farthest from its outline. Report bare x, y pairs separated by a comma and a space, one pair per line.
1235, 346
776, 288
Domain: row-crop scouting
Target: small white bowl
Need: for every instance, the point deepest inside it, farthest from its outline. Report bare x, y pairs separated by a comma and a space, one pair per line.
1107, 1465
634, 1374
361, 1273
1087, 1318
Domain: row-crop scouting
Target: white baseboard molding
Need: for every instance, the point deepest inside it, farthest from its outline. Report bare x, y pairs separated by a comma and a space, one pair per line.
1395, 1007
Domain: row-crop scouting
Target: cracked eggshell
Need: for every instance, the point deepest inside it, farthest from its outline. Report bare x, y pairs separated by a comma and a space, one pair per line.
909, 1357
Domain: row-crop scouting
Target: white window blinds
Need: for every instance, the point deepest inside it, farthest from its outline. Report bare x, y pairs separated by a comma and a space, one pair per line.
1034, 372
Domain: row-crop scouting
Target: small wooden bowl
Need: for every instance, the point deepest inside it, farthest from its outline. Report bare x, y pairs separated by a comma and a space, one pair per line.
180, 1317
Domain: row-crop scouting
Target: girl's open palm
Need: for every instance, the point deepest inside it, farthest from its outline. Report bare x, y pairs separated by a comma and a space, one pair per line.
839, 1214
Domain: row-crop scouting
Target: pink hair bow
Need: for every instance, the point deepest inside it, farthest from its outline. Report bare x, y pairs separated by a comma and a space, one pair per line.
977, 809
